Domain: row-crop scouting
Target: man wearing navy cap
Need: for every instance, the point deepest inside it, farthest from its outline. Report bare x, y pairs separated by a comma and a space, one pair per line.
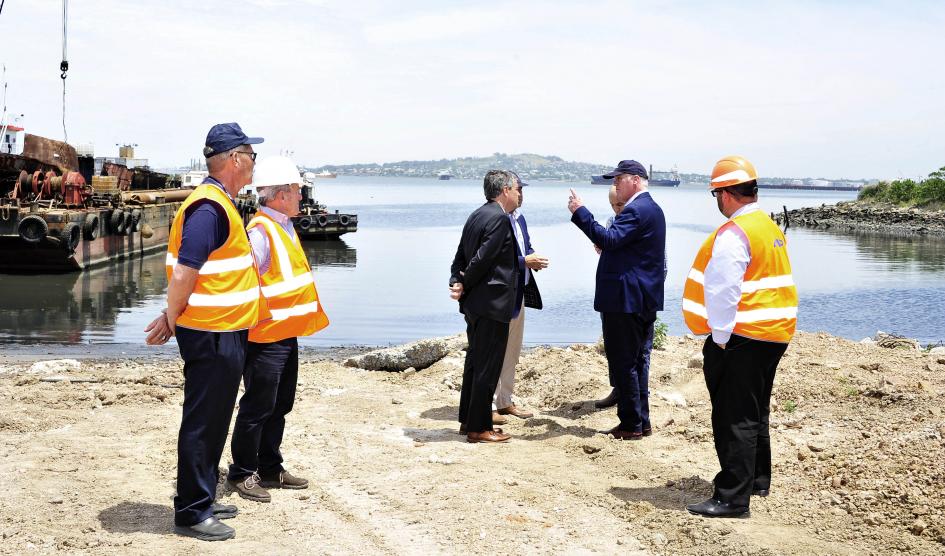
212, 300
629, 290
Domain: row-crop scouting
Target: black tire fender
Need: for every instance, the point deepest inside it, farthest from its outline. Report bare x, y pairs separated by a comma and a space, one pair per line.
322, 220
116, 221
32, 228
90, 227
69, 236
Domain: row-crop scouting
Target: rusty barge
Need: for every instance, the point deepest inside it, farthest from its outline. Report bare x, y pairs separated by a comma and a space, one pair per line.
62, 212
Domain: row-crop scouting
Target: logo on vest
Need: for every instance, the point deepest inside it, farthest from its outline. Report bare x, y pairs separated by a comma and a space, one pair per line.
778, 243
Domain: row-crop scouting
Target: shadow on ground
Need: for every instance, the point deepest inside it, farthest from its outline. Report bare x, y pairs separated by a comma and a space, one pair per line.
690, 490
138, 517
435, 435
552, 429
444, 413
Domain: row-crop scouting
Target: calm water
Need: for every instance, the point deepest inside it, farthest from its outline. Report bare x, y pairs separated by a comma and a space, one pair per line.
387, 283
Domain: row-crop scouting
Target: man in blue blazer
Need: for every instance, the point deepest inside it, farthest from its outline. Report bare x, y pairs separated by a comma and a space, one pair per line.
629, 288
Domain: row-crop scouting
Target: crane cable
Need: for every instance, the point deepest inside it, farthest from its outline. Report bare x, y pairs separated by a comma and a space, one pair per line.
64, 67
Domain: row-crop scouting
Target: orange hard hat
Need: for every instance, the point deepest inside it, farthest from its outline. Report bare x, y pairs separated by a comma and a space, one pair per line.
732, 170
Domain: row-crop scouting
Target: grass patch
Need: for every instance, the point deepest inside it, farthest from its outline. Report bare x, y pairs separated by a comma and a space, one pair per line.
789, 406
660, 332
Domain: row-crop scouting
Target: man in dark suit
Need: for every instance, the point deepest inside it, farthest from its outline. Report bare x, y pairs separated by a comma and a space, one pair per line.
629, 288
483, 278
527, 295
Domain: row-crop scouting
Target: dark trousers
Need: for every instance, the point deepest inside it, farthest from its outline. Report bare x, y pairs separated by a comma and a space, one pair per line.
739, 379
625, 335
487, 342
270, 377
213, 365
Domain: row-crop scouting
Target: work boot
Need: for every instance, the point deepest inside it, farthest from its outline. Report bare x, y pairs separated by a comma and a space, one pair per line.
609, 401
498, 419
250, 489
210, 529
282, 479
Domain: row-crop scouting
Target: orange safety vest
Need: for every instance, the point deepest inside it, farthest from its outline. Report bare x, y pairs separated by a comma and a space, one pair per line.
226, 295
287, 287
768, 306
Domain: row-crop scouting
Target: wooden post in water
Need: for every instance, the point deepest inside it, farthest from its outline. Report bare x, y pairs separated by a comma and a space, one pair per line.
787, 223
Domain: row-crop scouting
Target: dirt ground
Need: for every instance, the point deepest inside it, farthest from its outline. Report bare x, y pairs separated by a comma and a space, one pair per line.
87, 460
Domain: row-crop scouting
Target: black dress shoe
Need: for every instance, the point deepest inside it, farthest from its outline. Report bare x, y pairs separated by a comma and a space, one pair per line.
609, 401
717, 508
762, 492
224, 511
210, 529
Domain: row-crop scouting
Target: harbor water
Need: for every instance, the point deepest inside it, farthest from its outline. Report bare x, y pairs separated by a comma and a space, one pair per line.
387, 283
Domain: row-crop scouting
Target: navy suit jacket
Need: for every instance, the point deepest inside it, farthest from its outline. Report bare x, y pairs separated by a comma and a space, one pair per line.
527, 291
630, 272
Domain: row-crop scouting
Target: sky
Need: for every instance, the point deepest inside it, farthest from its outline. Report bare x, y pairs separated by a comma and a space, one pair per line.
838, 89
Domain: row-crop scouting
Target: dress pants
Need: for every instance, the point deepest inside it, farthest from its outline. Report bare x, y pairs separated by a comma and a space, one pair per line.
213, 365
739, 379
487, 342
513, 351
624, 338
270, 378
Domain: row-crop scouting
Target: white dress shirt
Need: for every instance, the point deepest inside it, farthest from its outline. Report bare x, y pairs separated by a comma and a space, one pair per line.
519, 237
259, 240
724, 274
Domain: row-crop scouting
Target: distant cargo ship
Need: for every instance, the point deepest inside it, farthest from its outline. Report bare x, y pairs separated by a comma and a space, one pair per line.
671, 181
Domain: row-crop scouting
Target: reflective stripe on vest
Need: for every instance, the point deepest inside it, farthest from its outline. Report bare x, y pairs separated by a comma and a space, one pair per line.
287, 287
768, 306
226, 294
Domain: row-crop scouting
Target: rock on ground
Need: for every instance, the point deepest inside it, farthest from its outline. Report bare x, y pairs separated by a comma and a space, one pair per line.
419, 355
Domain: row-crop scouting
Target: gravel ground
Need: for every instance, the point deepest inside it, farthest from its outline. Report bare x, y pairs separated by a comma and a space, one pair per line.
87, 460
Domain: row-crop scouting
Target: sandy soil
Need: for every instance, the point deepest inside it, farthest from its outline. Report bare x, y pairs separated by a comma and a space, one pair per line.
859, 441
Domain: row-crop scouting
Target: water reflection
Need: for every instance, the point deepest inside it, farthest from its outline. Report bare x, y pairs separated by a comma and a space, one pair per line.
901, 252
329, 253
77, 307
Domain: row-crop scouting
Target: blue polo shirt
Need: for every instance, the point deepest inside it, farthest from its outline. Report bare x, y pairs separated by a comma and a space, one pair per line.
206, 228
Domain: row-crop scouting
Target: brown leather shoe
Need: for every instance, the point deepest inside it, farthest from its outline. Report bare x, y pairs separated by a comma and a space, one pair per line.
283, 479
648, 431
498, 419
462, 429
609, 401
621, 434
248, 488
492, 436
512, 410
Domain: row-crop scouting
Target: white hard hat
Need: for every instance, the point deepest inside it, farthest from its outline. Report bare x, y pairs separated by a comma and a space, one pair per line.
275, 170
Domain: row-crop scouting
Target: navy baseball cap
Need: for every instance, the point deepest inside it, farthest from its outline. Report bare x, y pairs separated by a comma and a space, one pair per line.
631, 167
223, 137
519, 178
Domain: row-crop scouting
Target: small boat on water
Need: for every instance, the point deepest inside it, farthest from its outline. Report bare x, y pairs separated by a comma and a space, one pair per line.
444, 175
325, 174
314, 221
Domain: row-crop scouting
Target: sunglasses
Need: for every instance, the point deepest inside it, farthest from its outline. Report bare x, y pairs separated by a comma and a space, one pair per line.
251, 155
